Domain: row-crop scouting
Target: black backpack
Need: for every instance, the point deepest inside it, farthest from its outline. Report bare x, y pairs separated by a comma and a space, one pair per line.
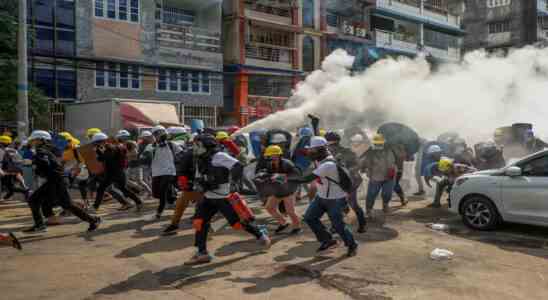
346, 182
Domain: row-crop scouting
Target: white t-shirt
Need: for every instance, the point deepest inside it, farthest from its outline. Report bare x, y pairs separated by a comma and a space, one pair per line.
328, 189
163, 162
221, 159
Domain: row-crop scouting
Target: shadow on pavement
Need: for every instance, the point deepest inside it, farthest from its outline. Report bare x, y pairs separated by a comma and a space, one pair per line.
526, 239
162, 244
288, 275
172, 277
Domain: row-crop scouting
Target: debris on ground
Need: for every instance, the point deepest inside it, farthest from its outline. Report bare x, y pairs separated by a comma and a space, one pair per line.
441, 254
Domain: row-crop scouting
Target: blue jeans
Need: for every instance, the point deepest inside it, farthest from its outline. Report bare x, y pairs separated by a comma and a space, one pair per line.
373, 190
334, 209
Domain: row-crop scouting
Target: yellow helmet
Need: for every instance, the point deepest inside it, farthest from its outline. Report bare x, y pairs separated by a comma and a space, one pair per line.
221, 135
6, 140
92, 131
273, 150
66, 135
445, 164
322, 132
378, 139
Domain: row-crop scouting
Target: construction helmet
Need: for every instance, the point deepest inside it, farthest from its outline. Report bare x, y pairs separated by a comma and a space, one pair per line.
278, 138
158, 129
99, 137
221, 135
92, 131
378, 139
40, 135
146, 133
322, 132
433, 149
445, 164
123, 134
6, 140
176, 130
273, 150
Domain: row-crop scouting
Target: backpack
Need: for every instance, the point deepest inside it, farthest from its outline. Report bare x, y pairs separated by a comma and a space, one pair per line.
346, 182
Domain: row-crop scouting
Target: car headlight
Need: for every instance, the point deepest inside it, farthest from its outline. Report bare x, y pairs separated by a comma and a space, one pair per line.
460, 181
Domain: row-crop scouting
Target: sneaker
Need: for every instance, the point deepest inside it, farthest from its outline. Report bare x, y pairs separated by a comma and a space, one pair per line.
265, 241
94, 225
281, 228
36, 229
419, 193
352, 251
295, 231
125, 207
385, 208
362, 229
199, 258
15, 242
171, 229
327, 246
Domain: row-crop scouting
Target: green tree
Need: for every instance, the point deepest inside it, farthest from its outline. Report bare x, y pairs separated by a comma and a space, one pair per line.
38, 103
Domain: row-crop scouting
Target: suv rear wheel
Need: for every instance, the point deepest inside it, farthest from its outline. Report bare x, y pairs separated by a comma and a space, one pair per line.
479, 213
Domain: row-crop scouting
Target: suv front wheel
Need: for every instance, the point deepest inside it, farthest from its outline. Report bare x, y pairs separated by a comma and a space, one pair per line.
479, 213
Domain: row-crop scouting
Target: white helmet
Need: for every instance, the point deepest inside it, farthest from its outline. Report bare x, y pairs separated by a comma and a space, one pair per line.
176, 130
99, 137
146, 133
278, 138
156, 129
40, 135
433, 149
317, 141
123, 133
358, 138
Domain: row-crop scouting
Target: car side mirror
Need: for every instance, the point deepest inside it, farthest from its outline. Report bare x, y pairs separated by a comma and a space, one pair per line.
513, 171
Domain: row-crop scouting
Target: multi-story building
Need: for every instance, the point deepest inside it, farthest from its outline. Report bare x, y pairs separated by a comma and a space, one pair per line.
262, 54
138, 49
502, 24
372, 29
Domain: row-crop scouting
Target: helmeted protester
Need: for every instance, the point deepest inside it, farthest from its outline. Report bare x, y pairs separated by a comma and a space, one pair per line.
179, 135
114, 158
273, 165
330, 199
348, 159
460, 152
54, 188
163, 169
450, 171
430, 153
144, 154
215, 169
230, 147
135, 176
10, 168
379, 163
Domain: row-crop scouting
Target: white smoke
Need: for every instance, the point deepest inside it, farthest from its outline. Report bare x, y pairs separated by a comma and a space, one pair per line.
474, 97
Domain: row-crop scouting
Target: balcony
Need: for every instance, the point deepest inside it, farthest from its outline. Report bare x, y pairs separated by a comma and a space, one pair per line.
281, 14
337, 25
188, 37
396, 41
269, 56
450, 54
412, 8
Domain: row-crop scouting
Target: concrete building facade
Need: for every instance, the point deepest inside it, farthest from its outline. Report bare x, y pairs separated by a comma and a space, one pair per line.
498, 25
167, 50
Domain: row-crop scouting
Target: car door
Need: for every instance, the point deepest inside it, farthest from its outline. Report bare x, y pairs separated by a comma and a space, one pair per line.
525, 198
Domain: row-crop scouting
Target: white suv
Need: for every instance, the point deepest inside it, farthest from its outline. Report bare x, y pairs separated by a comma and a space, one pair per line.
516, 193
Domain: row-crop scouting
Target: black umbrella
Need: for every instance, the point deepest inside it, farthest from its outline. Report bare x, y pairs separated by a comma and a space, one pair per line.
396, 133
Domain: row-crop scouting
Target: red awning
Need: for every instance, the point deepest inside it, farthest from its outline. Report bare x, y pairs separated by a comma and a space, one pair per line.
147, 114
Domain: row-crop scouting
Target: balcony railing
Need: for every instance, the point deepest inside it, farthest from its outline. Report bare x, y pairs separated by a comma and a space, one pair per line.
269, 53
449, 54
396, 41
413, 8
283, 10
189, 37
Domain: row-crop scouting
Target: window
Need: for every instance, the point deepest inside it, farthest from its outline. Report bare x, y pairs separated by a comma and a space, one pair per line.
64, 14
123, 10
173, 80
308, 54
53, 26
498, 3
114, 75
178, 16
44, 79
66, 84
332, 19
308, 13
498, 27
43, 42
54, 81
536, 167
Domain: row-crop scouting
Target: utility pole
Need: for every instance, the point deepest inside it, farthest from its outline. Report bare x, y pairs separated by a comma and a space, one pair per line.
22, 84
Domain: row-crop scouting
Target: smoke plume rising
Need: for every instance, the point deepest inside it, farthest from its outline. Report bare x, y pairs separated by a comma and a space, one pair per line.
473, 97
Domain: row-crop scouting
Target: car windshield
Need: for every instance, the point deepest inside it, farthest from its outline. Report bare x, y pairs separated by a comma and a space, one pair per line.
517, 161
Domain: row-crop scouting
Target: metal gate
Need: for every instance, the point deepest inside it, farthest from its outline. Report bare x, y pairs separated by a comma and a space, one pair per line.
206, 113
57, 117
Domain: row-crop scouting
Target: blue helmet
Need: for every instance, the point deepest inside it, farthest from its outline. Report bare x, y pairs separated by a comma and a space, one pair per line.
306, 131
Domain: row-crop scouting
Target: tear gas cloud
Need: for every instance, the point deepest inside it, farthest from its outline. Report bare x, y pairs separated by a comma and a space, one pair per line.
473, 97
